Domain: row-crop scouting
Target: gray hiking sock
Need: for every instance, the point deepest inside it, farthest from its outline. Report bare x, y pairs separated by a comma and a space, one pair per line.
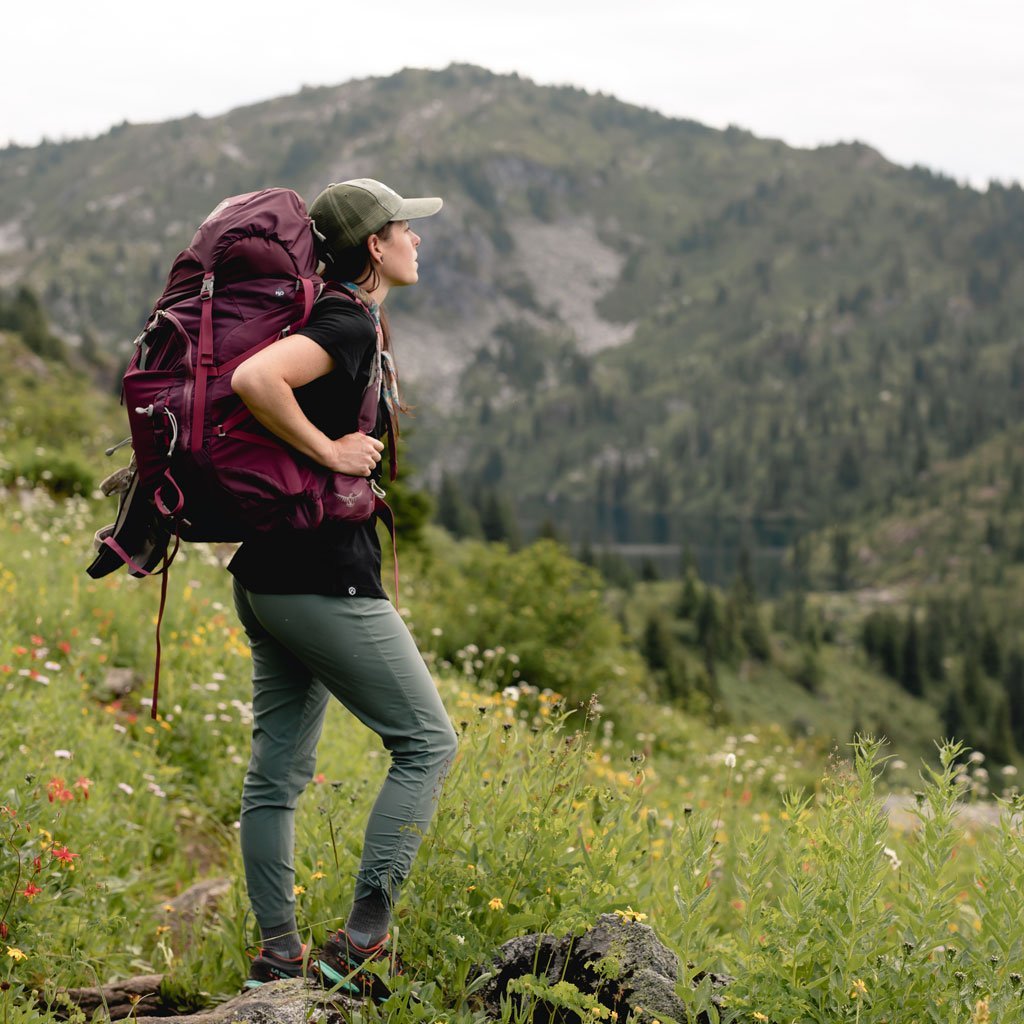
282, 939
368, 920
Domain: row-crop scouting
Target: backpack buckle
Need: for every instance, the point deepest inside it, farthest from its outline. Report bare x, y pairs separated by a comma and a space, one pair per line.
378, 490
206, 292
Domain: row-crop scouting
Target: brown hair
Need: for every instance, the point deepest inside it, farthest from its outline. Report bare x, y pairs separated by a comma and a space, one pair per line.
354, 265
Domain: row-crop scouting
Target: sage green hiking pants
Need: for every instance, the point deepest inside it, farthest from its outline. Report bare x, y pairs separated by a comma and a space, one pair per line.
307, 648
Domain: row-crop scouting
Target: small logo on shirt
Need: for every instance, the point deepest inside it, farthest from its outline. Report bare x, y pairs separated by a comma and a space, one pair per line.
352, 591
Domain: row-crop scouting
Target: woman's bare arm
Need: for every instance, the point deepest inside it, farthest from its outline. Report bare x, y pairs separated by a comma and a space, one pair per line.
266, 382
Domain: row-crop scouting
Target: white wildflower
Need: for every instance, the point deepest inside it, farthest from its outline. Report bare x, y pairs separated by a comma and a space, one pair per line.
65, 754
730, 760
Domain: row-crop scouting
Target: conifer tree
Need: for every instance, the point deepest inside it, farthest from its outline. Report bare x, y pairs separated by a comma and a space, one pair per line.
1000, 745
709, 627
933, 644
842, 558
656, 645
454, 513
689, 596
955, 713
1013, 683
975, 693
990, 654
911, 668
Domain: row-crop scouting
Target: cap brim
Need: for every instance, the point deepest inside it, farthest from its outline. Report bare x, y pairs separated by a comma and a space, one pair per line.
411, 209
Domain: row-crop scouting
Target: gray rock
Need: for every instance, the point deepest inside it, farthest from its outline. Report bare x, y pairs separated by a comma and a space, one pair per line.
280, 1002
198, 898
621, 962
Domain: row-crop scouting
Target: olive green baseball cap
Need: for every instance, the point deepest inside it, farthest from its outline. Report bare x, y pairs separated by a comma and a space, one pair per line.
346, 213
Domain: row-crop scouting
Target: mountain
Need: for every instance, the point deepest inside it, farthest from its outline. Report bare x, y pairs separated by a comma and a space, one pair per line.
641, 329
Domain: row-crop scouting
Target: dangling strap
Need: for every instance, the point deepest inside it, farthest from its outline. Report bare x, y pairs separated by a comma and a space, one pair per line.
160, 619
384, 513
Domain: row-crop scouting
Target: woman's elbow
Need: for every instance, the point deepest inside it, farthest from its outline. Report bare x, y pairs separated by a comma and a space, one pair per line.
242, 382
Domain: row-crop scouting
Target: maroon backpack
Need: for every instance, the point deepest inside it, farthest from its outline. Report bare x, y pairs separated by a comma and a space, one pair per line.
203, 468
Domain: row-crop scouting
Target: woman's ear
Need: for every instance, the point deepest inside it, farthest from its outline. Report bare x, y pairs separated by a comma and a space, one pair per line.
374, 247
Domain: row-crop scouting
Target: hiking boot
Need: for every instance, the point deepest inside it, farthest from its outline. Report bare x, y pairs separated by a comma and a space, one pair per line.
268, 966
339, 961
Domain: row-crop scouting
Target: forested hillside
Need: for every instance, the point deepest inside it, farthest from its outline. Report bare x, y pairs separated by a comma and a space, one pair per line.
637, 334
641, 328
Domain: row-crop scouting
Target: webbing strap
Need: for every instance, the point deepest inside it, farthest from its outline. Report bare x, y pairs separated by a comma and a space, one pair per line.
203, 363
159, 621
383, 510
308, 298
125, 557
159, 501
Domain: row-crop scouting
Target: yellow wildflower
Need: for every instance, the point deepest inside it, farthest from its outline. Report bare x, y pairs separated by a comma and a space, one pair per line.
16, 954
496, 904
298, 889
162, 929
630, 915
758, 1016
981, 1014
859, 989
317, 875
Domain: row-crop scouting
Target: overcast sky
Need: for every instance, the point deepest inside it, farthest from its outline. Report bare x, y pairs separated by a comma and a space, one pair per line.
936, 82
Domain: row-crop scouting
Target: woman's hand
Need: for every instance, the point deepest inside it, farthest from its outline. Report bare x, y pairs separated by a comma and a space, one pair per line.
354, 454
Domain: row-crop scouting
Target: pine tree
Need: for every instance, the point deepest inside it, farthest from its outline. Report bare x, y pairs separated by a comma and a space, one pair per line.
656, 645
497, 519
975, 693
689, 596
454, 513
709, 627
955, 724
991, 654
911, 668
933, 653
1013, 683
1000, 745
842, 558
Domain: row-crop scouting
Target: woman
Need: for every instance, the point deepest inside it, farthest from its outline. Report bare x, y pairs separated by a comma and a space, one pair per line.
317, 618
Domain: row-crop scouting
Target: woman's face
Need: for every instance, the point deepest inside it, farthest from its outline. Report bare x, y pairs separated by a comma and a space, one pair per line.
399, 267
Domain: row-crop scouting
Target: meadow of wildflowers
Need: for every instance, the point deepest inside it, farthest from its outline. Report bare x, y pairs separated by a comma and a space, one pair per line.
748, 852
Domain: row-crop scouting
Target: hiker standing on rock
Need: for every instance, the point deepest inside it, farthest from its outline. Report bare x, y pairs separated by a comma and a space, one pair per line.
318, 620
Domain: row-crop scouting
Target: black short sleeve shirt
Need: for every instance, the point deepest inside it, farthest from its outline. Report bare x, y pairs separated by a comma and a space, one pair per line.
338, 559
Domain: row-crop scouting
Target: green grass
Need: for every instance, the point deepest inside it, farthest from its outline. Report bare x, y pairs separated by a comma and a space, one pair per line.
747, 852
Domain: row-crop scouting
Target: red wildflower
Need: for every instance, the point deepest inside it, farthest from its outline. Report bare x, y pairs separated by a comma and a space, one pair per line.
56, 790
63, 854
37, 863
83, 784
3, 929
6, 668
64, 646
19, 650
31, 890
36, 640
320, 778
